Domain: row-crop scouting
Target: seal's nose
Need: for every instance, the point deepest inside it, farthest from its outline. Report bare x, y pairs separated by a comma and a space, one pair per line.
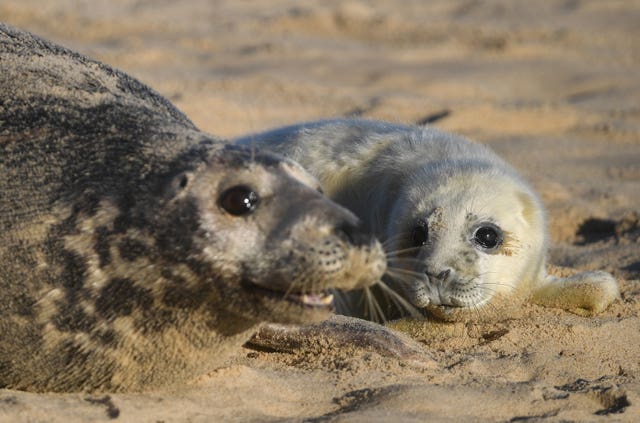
354, 234
444, 275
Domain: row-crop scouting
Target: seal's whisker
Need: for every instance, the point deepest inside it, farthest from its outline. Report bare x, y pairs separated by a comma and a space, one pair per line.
478, 311
407, 260
488, 308
407, 263
290, 289
400, 270
399, 279
492, 285
339, 302
379, 313
399, 300
485, 283
402, 251
372, 308
365, 303
400, 235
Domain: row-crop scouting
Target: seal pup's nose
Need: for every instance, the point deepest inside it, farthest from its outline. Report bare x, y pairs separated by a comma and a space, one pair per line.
444, 275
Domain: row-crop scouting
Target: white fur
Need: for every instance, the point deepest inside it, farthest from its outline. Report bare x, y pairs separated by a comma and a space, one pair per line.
393, 176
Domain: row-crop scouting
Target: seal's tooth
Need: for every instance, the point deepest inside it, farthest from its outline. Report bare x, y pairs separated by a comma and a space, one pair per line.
317, 300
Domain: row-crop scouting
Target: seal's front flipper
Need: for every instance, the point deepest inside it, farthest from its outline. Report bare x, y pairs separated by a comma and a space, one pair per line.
585, 293
342, 332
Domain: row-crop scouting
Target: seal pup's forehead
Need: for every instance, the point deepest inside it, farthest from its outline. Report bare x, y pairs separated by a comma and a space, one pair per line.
491, 196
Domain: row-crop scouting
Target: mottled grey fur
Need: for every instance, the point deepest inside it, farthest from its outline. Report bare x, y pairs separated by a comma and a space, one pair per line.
118, 269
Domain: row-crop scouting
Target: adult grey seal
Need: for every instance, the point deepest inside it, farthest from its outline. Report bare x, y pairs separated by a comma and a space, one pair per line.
463, 230
137, 252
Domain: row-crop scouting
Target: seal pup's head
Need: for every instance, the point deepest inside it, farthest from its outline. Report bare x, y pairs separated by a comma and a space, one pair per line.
473, 233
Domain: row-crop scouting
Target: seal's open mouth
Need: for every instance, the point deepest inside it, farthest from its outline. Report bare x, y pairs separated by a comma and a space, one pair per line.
312, 300
317, 300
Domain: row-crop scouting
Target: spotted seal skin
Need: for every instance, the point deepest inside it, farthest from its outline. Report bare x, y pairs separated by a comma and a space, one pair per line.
137, 252
465, 233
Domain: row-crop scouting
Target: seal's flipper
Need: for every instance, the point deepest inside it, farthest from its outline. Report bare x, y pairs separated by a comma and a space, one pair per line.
341, 332
585, 293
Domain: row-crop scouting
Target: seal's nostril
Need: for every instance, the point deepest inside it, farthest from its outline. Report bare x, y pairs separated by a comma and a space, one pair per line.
444, 274
353, 234
346, 230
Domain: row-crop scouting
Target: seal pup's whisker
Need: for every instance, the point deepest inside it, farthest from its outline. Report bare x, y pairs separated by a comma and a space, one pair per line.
493, 286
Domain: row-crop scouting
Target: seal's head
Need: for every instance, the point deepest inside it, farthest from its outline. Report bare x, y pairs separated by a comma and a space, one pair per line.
264, 237
473, 232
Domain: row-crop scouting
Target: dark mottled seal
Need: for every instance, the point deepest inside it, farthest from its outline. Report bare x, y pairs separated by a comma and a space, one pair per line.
136, 251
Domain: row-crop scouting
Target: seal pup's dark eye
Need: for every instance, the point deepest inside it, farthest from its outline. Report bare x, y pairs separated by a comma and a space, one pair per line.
420, 234
488, 236
239, 200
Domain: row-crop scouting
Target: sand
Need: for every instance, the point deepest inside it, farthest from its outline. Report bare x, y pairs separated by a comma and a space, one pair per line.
552, 86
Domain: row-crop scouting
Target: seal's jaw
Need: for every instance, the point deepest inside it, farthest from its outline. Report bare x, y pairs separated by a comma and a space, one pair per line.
283, 307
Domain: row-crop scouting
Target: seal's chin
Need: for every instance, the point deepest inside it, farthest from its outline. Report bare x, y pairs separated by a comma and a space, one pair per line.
278, 305
457, 313
447, 313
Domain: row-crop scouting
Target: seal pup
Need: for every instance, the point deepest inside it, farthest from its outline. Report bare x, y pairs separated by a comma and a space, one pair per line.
463, 230
137, 252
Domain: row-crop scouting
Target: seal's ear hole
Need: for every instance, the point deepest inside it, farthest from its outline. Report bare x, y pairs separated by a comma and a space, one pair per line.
178, 184
183, 181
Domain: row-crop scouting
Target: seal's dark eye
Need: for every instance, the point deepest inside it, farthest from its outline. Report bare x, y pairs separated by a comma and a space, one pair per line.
239, 200
420, 234
488, 236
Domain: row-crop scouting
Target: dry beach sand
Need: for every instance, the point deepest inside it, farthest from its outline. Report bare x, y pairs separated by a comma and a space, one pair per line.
553, 86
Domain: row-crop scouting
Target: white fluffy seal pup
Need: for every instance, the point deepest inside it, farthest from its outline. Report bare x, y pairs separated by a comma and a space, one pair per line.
463, 230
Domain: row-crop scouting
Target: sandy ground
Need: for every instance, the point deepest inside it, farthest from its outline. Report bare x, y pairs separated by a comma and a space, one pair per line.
553, 86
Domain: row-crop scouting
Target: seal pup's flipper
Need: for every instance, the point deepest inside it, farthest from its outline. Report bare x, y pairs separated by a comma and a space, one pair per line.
585, 293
